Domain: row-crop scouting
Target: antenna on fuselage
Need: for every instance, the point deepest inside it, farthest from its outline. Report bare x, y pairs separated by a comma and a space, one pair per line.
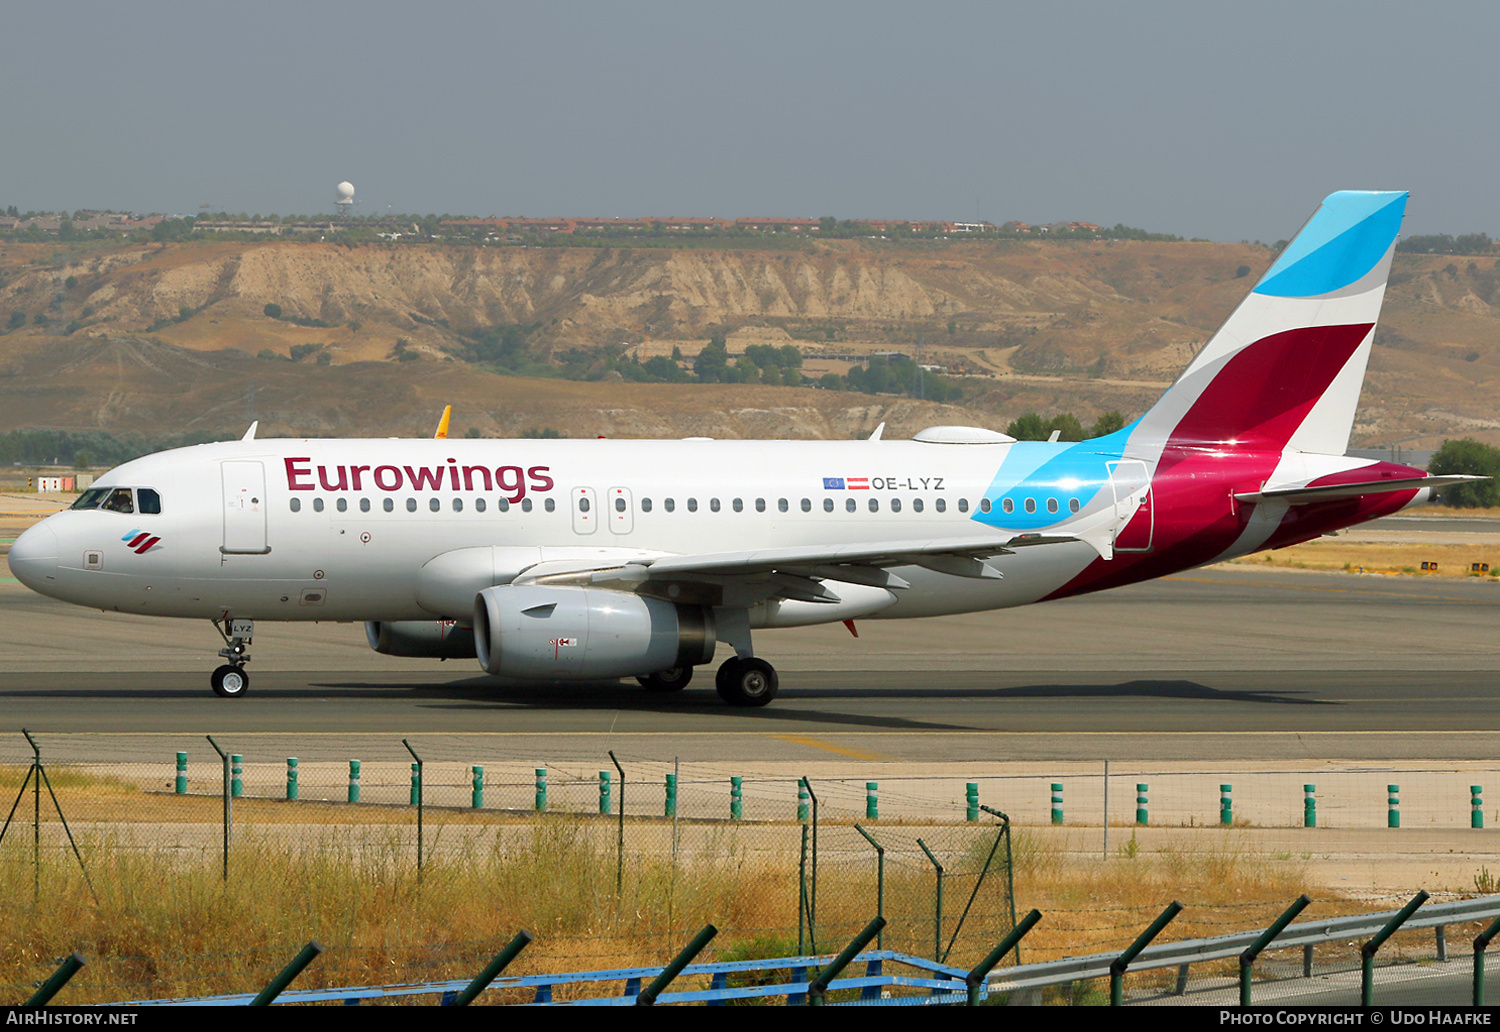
442, 430
250, 434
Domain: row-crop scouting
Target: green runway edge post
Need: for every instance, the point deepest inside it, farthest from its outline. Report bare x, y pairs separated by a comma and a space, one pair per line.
1393, 806
182, 773
236, 775
541, 789
1226, 806
1309, 806
476, 794
291, 777
872, 800
737, 800
1057, 802
1481, 943
670, 808
1141, 816
971, 802
604, 801
1476, 806
353, 781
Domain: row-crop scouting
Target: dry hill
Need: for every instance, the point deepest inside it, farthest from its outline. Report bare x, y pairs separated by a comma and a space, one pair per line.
151, 337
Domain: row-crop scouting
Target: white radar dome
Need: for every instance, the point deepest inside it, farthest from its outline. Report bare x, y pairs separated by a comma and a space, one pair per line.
346, 191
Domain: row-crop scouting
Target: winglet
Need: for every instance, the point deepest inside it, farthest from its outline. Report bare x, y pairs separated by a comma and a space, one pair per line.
442, 430
878, 431
250, 434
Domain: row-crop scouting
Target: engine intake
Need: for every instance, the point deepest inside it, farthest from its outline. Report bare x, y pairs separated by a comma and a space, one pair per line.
561, 633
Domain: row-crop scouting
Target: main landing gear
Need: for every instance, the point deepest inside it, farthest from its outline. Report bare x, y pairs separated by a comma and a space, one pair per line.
746, 682
230, 680
674, 680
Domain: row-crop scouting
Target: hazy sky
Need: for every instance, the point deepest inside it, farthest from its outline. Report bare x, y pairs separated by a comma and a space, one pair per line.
1227, 121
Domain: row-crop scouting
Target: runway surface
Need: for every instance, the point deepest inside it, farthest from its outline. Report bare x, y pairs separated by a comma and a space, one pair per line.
1218, 664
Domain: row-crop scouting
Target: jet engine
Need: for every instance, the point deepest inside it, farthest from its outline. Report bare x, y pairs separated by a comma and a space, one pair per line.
560, 633
421, 639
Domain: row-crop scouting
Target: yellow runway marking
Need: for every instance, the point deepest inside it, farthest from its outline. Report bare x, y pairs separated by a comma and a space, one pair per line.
854, 754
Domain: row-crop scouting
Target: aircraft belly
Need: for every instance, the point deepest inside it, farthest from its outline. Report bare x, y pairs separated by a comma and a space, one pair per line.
1029, 575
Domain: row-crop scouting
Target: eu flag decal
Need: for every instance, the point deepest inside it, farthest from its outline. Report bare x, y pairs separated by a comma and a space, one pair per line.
833, 483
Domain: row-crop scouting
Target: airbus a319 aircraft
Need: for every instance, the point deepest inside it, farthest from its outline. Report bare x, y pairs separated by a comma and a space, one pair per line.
585, 559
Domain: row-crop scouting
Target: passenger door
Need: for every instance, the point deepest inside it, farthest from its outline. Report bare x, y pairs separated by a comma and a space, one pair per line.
621, 510
585, 510
244, 508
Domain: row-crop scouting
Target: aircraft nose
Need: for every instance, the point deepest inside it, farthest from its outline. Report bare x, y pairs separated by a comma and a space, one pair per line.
33, 557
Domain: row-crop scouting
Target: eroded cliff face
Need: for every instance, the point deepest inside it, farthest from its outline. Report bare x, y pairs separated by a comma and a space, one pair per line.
1085, 326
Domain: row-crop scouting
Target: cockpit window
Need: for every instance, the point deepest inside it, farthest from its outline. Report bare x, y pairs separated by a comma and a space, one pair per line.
118, 501
149, 500
90, 499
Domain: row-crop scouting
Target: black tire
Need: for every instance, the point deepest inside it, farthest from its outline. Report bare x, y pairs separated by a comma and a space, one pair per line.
674, 680
747, 682
230, 682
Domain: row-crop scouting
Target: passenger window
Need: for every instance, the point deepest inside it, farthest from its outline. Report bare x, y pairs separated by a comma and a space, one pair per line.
713, 505
619, 505
149, 501
671, 506
828, 505
458, 505
739, 506
645, 504
874, 504
1031, 505
583, 505
434, 504
317, 505
807, 505
364, 505
118, 501
296, 504
550, 505
388, 505
411, 505
916, 505
341, 505
692, 505
479, 505
525, 504
1051, 504
984, 505
503, 504
760, 505
895, 505
850, 505
942, 504
1008, 505
963, 505
1073, 505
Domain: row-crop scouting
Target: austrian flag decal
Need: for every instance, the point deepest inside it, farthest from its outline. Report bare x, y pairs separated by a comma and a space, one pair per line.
139, 542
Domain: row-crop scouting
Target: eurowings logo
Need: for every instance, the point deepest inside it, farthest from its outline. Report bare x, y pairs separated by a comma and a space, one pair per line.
139, 542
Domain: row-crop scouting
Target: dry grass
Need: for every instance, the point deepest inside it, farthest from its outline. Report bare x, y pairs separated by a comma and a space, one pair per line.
172, 927
1380, 557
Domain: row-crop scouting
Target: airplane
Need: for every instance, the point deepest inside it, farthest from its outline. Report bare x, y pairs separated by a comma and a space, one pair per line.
565, 560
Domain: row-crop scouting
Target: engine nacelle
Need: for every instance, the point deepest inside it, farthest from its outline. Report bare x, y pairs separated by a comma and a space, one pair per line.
551, 633
420, 639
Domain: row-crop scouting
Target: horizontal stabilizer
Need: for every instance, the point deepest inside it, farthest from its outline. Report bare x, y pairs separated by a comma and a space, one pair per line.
1333, 492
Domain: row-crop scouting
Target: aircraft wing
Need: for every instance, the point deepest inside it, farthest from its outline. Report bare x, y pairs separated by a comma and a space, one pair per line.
1333, 492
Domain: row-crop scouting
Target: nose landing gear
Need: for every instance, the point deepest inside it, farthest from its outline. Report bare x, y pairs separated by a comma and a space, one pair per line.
230, 680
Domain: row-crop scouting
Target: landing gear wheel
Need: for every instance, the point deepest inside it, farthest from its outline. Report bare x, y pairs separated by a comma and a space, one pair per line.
674, 680
229, 681
746, 682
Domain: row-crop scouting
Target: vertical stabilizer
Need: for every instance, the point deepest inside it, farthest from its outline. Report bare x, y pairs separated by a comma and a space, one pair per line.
1285, 370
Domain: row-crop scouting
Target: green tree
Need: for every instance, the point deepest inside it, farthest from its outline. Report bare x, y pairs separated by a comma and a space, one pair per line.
1031, 427
712, 362
17, 320
1107, 423
272, 310
1471, 457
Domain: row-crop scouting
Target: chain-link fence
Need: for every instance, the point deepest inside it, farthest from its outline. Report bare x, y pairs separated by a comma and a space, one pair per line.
414, 868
